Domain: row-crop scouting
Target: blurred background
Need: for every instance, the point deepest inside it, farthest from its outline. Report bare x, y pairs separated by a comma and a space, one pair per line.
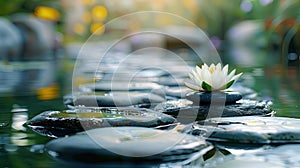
40, 41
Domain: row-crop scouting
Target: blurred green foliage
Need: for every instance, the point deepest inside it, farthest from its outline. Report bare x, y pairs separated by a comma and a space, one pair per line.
221, 15
10, 7
26, 6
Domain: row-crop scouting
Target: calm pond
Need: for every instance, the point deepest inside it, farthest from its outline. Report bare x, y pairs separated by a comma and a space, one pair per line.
21, 147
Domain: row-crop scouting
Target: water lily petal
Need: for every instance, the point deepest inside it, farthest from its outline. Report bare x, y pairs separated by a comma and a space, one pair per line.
192, 86
196, 74
236, 76
218, 67
229, 77
225, 70
196, 79
214, 77
222, 78
218, 80
198, 70
212, 68
204, 66
206, 76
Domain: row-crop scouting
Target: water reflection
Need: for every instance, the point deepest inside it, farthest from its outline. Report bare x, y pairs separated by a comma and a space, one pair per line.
19, 146
37, 148
19, 118
10, 147
277, 83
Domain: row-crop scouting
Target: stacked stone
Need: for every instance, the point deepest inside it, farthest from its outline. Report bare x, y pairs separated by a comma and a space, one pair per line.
107, 122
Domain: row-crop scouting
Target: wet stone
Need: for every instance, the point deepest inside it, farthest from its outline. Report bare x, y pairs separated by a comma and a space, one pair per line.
127, 146
118, 99
201, 98
151, 72
251, 130
245, 163
177, 92
132, 74
61, 123
281, 156
171, 81
120, 86
187, 112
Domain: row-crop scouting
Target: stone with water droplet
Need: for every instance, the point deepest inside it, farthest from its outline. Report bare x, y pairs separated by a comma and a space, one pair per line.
202, 98
120, 86
250, 130
281, 156
61, 123
114, 99
128, 146
188, 112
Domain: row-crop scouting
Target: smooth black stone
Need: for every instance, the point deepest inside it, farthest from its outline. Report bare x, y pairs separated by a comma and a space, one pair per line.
267, 156
244, 162
281, 156
251, 130
171, 81
135, 73
199, 98
61, 123
127, 145
186, 112
118, 99
151, 72
177, 92
120, 86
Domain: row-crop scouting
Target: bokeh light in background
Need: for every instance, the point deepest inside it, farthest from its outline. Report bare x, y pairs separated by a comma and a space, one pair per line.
246, 6
99, 12
215, 17
90, 16
79, 28
97, 28
47, 13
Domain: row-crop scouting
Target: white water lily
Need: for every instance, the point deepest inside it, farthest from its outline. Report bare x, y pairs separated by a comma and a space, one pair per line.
211, 78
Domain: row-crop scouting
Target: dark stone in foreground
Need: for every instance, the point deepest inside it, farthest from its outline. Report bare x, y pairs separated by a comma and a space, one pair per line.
185, 112
201, 98
282, 156
118, 99
127, 146
56, 123
251, 130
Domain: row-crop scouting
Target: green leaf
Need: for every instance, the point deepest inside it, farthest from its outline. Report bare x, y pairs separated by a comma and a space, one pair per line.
206, 86
229, 84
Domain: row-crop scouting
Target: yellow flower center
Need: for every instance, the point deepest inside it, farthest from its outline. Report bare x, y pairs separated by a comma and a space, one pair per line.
212, 69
